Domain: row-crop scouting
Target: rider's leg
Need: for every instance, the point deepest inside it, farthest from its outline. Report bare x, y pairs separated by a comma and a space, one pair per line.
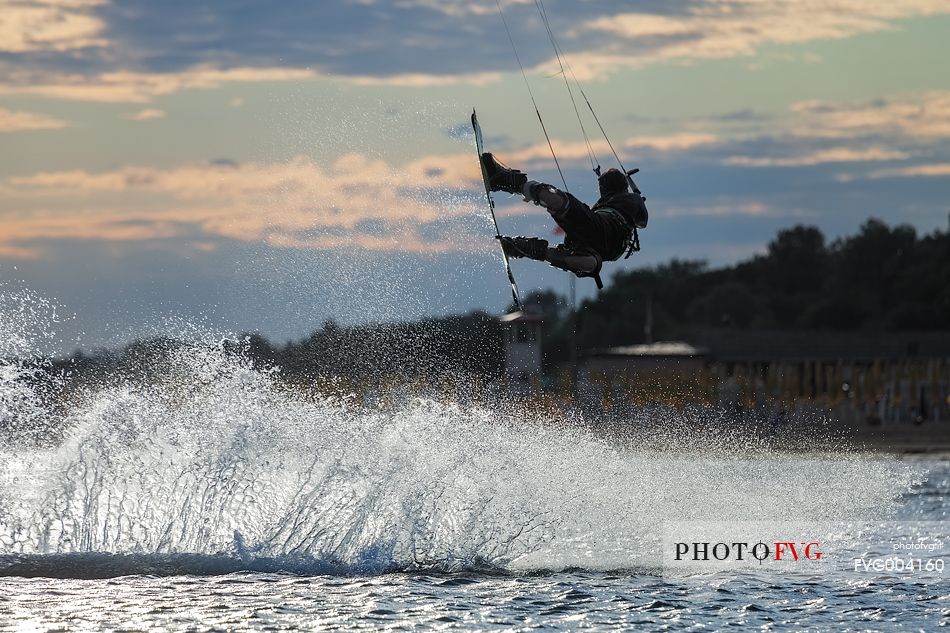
582, 262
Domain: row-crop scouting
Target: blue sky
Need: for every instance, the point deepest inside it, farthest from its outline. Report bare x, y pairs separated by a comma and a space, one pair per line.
260, 166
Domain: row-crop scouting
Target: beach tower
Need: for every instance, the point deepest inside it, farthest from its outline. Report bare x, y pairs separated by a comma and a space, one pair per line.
521, 332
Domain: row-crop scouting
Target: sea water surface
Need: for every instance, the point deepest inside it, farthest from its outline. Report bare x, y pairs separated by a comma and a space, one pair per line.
179, 592
208, 495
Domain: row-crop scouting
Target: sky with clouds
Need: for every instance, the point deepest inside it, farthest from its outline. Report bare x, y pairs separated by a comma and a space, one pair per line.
245, 165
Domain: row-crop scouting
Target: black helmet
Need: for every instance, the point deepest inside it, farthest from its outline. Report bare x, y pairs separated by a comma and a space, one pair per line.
612, 182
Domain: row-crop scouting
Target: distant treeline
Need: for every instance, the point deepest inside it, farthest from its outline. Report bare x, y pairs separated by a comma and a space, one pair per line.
882, 279
454, 345
465, 344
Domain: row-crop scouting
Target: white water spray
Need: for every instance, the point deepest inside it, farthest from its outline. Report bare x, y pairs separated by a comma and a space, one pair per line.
206, 455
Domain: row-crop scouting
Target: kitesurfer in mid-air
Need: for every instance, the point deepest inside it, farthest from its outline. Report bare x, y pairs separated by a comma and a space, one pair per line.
593, 235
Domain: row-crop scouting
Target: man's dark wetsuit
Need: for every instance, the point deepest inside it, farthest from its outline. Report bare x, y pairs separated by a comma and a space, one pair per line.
606, 227
592, 234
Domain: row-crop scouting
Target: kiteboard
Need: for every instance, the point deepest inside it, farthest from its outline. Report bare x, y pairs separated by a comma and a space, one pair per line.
480, 148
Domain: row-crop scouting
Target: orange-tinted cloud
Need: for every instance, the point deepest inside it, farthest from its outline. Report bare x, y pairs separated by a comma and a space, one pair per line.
856, 132
355, 201
577, 150
425, 80
720, 208
926, 170
11, 121
717, 29
818, 157
148, 114
50, 25
463, 8
919, 118
598, 43
293, 203
140, 87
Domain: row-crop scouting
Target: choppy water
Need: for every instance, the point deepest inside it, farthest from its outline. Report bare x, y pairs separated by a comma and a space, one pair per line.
209, 496
566, 600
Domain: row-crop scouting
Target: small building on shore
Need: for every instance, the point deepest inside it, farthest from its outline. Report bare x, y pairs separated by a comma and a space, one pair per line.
874, 378
767, 346
522, 336
645, 359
